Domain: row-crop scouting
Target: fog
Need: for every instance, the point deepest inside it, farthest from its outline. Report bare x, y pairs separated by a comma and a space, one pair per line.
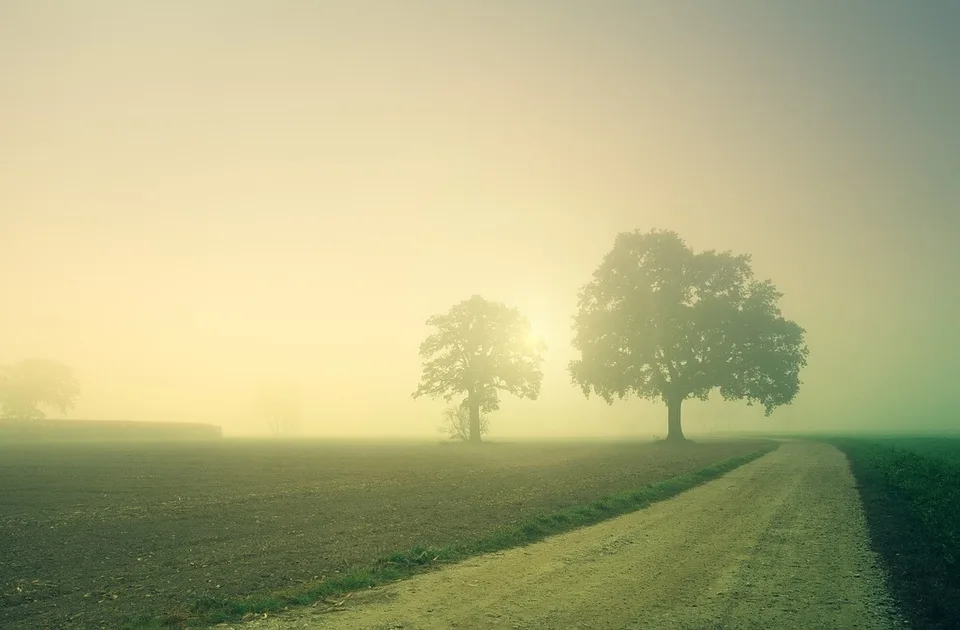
200, 199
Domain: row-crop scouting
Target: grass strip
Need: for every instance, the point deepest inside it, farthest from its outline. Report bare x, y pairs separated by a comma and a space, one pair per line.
210, 610
912, 505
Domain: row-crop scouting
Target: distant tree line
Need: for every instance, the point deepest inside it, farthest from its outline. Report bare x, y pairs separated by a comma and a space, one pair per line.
657, 320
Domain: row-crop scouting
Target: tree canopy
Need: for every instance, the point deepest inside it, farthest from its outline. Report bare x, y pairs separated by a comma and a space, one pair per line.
664, 323
27, 385
480, 348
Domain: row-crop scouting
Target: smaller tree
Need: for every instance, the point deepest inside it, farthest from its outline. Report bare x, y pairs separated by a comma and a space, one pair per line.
32, 383
456, 422
480, 348
280, 405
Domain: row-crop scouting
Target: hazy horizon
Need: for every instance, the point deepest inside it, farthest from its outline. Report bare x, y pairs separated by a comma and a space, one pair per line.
197, 199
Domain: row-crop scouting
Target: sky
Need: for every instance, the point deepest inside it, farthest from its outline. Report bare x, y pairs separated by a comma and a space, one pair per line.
201, 197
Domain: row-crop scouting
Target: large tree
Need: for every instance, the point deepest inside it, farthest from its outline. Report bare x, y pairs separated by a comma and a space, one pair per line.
478, 349
665, 323
32, 383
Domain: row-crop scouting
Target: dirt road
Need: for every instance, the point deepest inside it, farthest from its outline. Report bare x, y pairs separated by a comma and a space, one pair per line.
778, 543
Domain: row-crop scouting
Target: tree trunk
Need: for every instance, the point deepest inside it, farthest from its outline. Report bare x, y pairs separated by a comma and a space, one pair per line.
674, 432
474, 418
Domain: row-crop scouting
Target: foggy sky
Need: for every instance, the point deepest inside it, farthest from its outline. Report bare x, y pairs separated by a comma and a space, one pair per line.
200, 197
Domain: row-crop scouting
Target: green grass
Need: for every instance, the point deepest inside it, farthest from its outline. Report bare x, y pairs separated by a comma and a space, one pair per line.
211, 610
910, 488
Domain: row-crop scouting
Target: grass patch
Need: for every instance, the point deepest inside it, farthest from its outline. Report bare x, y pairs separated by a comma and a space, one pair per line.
911, 496
211, 610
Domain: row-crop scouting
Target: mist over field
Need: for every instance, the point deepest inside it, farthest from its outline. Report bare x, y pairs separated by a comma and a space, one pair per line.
202, 201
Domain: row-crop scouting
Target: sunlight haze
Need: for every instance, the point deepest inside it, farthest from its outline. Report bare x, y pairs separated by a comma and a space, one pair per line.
199, 199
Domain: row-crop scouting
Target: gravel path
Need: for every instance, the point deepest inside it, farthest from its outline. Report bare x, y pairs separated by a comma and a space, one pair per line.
778, 543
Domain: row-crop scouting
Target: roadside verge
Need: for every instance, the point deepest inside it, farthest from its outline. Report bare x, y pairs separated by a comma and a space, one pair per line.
912, 504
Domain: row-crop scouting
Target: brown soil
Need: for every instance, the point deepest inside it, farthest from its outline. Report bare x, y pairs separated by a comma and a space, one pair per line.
92, 535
